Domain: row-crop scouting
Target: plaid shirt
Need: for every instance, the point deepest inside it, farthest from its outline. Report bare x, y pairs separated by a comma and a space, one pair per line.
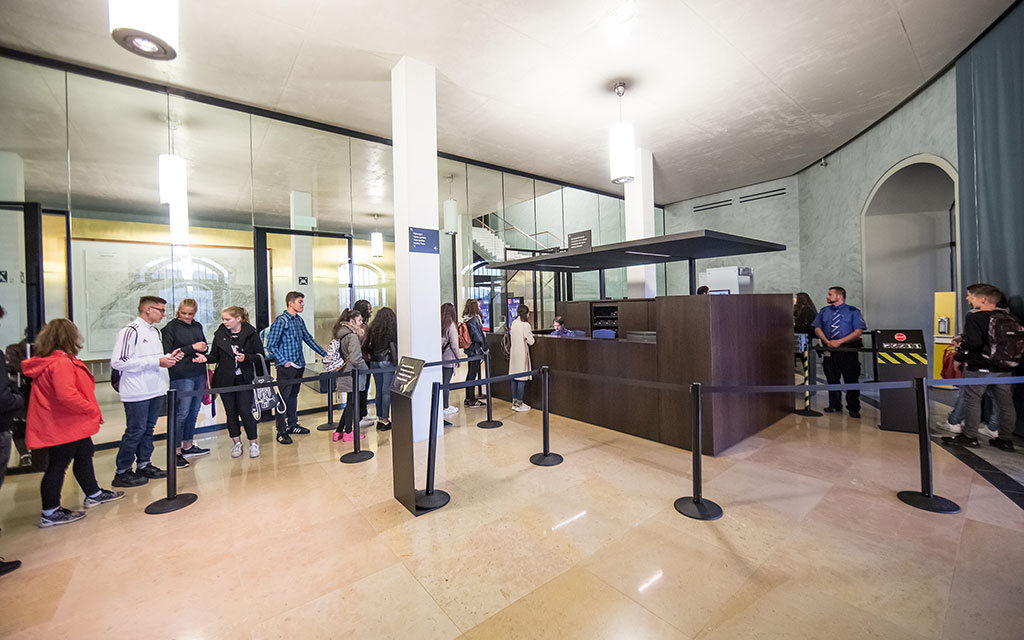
284, 342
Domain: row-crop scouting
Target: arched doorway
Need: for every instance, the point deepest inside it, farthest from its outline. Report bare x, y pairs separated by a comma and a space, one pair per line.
909, 229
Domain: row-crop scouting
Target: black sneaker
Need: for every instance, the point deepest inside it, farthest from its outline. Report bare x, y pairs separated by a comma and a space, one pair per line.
105, 496
283, 437
151, 471
195, 451
1000, 443
383, 426
297, 429
8, 566
832, 410
129, 479
60, 516
855, 414
180, 462
960, 440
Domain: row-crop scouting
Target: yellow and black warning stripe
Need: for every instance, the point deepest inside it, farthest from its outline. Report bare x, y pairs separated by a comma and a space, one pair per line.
900, 357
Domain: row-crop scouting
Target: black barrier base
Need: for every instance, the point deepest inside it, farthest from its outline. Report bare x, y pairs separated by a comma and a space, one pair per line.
546, 459
430, 501
167, 505
810, 413
703, 510
935, 504
489, 424
327, 426
353, 457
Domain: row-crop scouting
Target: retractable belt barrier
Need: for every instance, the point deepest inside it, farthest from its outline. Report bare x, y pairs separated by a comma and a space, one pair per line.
490, 422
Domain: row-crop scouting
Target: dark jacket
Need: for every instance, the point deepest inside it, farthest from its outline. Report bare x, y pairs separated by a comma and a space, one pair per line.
476, 334
11, 400
182, 335
803, 320
386, 351
352, 352
223, 357
976, 343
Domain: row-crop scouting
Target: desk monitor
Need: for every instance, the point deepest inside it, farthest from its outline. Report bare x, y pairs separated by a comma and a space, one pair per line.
719, 292
513, 308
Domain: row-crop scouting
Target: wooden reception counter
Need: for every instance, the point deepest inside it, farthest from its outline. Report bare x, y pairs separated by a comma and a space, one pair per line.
632, 386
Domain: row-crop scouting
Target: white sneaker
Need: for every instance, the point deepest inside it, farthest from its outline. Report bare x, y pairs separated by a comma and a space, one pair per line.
952, 428
254, 450
368, 421
450, 410
985, 432
522, 406
236, 451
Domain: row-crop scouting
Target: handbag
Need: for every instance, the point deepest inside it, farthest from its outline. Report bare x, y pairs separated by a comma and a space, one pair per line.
950, 367
265, 398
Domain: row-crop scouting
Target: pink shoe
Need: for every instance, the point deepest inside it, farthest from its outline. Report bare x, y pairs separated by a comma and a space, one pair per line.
336, 436
347, 437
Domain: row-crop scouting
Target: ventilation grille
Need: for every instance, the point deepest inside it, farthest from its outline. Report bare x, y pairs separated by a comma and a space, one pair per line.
712, 205
774, 193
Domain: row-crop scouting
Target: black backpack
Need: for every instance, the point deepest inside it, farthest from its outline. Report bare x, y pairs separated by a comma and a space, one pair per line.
1005, 340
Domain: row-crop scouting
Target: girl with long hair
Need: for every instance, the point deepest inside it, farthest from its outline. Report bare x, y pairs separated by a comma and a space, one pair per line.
804, 313
449, 349
235, 349
346, 331
475, 324
382, 345
189, 374
63, 415
521, 337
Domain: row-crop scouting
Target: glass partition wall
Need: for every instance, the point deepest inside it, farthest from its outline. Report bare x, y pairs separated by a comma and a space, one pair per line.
89, 150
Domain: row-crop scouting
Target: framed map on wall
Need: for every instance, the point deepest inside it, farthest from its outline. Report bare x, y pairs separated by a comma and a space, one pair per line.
109, 278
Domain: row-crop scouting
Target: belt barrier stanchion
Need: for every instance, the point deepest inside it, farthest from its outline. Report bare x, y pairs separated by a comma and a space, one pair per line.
174, 500
330, 424
696, 506
925, 499
431, 498
805, 358
356, 455
546, 458
490, 422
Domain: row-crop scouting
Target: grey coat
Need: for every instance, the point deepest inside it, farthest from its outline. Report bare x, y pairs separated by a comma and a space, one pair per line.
352, 352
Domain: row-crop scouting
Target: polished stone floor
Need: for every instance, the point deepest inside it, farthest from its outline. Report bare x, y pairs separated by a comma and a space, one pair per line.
294, 544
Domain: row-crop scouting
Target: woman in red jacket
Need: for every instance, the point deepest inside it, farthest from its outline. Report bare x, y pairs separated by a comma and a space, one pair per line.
63, 415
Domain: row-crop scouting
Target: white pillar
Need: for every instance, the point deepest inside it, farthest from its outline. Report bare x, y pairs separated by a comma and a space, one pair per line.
12, 250
642, 281
417, 275
301, 218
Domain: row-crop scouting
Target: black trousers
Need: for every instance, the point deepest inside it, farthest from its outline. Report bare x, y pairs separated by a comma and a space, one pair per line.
472, 374
79, 451
238, 406
348, 415
290, 393
846, 365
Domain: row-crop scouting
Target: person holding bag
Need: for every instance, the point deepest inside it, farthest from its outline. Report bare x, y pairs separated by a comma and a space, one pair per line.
382, 345
63, 415
346, 332
235, 348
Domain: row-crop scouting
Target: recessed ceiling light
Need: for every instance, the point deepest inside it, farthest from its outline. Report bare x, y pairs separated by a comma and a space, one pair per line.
148, 28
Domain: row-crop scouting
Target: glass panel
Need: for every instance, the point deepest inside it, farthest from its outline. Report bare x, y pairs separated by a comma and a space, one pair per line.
613, 229
55, 266
550, 235
485, 209
451, 185
581, 212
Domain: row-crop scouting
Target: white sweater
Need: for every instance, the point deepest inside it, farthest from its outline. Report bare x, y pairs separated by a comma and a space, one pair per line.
137, 353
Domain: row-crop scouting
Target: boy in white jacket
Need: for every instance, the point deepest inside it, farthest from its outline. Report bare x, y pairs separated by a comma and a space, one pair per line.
140, 360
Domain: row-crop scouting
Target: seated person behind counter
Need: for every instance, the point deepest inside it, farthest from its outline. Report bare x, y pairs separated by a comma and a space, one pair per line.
560, 330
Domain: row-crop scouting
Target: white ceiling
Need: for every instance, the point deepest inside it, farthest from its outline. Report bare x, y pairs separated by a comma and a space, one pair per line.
725, 93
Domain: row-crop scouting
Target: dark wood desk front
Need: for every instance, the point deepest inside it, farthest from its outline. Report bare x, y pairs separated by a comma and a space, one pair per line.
627, 386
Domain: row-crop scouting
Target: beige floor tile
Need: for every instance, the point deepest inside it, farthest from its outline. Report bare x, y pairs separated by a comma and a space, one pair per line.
576, 604
387, 604
988, 504
29, 596
781, 490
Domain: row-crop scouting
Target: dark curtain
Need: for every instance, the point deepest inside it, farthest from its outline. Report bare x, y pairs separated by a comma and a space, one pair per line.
990, 142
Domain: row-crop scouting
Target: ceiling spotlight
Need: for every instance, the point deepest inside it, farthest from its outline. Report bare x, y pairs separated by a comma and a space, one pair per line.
148, 28
621, 145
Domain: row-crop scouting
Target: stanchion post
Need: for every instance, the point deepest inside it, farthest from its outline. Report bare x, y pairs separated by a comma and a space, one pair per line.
546, 458
356, 454
805, 361
174, 500
432, 498
329, 425
490, 422
696, 506
925, 499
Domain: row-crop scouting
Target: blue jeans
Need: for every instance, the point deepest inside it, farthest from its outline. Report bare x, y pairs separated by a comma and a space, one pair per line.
188, 408
137, 441
959, 412
383, 384
446, 377
518, 389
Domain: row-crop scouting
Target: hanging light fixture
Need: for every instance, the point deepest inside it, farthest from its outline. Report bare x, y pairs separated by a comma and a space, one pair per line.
376, 240
148, 28
174, 193
451, 209
621, 145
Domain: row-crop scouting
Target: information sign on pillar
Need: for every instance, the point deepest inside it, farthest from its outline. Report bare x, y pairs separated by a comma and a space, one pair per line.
642, 280
417, 261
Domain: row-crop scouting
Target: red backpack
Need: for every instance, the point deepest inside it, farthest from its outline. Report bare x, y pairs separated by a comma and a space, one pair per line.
465, 341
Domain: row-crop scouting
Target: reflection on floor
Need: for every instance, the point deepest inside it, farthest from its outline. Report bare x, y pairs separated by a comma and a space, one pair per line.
294, 544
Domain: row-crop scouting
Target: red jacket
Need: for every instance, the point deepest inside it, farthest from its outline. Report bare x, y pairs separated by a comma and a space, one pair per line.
62, 406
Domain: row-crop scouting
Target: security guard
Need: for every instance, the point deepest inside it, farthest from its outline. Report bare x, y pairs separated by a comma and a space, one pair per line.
840, 325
